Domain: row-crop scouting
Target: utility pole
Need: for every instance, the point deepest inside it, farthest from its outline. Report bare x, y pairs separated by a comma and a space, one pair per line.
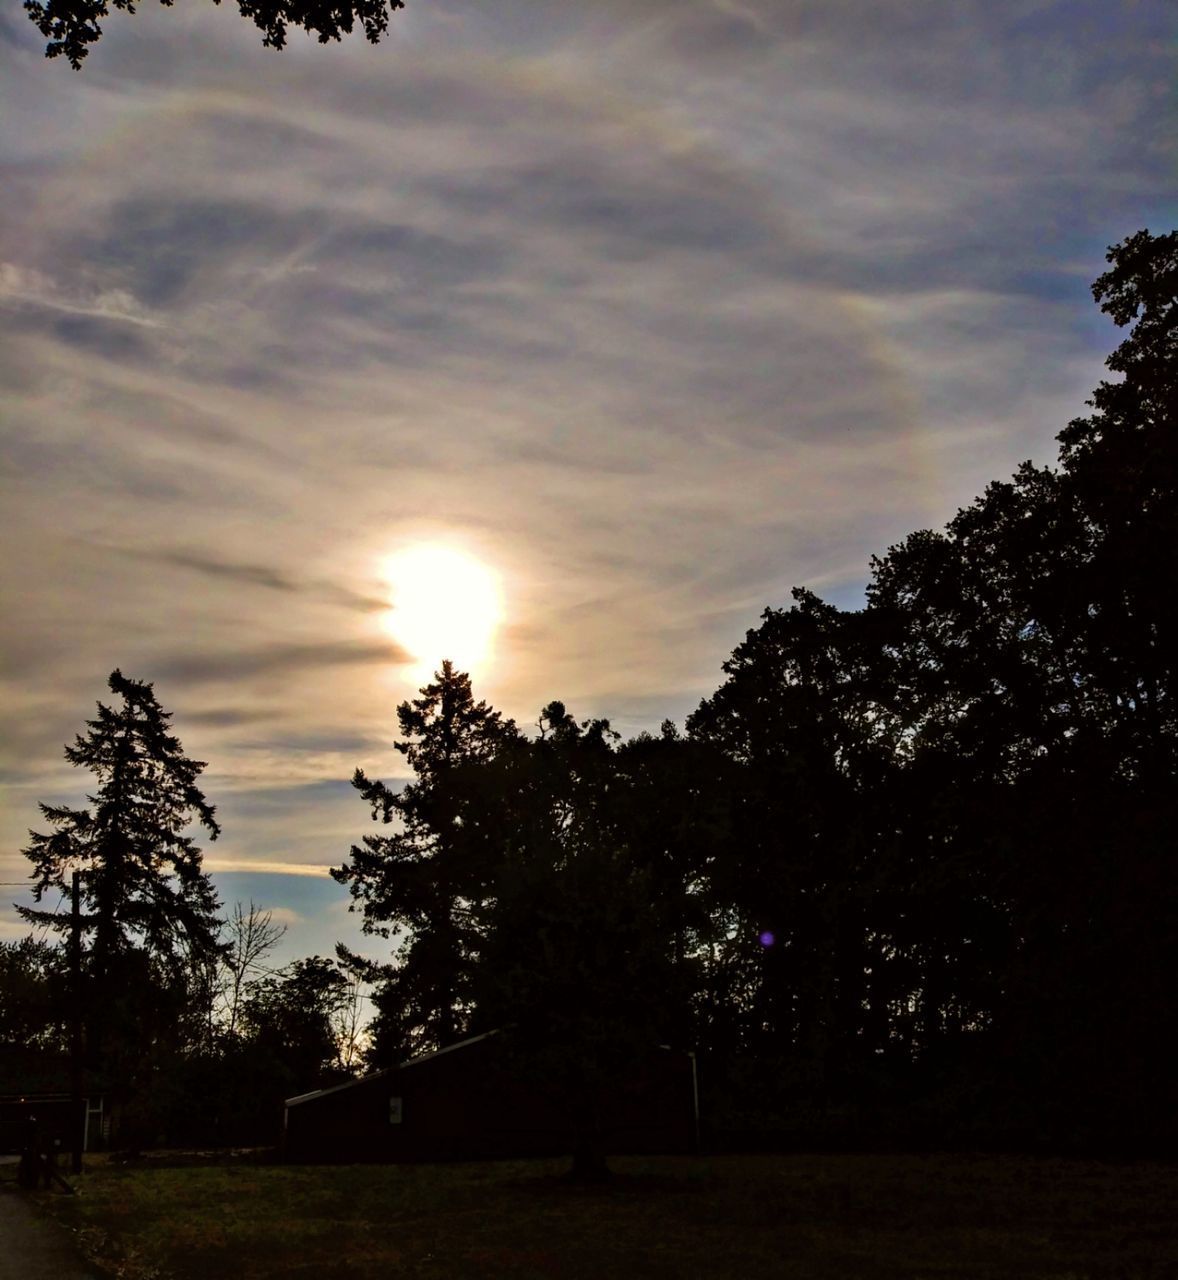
77, 1127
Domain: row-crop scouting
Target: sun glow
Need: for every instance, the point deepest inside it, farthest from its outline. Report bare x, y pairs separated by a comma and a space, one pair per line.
444, 604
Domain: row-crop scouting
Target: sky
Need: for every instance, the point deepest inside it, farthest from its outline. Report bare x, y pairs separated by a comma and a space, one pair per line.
655, 309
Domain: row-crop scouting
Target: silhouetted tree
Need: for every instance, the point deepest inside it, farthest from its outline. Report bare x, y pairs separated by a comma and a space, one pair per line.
1034, 670
290, 1016
422, 885
230, 1091
33, 992
946, 812
1120, 469
1105, 921
577, 962
249, 934
71, 26
148, 909
982, 673
672, 794
812, 747
348, 1023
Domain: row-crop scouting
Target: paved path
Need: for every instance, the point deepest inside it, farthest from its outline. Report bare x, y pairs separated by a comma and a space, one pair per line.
32, 1248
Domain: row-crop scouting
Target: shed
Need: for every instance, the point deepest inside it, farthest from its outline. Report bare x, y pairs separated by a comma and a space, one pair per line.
465, 1102
36, 1085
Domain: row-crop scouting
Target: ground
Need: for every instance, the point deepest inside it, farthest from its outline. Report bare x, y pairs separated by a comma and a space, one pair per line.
812, 1216
32, 1246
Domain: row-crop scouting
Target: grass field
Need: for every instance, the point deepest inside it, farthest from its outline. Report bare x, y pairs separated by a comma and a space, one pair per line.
752, 1217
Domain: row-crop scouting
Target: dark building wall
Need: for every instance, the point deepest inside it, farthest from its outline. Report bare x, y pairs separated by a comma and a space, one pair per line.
34, 1083
466, 1103
52, 1117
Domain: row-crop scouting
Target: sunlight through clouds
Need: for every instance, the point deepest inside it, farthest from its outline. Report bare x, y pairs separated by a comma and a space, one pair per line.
444, 605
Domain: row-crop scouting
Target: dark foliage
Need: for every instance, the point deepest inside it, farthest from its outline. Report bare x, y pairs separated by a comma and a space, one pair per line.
910, 871
952, 811
33, 996
71, 26
287, 1017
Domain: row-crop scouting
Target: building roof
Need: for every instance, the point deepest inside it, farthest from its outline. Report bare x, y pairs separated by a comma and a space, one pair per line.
376, 1075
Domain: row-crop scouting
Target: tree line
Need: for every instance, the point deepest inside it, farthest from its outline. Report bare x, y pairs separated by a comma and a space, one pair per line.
907, 874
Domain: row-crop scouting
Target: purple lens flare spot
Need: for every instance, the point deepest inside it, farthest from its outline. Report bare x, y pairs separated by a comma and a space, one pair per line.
767, 939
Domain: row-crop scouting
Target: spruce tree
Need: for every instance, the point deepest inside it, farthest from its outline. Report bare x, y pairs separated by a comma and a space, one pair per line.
149, 911
424, 883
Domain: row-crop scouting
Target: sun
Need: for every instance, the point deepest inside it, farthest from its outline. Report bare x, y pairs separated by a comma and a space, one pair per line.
443, 604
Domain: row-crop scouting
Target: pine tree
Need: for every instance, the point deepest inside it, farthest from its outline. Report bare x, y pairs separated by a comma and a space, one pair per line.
149, 911
423, 883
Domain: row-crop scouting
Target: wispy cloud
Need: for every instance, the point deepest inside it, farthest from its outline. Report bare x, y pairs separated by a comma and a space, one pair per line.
25, 286
259, 575
661, 309
228, 717
268, 867
277, 659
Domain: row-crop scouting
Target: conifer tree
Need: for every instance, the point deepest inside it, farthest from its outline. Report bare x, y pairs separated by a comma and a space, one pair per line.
149, 910
423, 883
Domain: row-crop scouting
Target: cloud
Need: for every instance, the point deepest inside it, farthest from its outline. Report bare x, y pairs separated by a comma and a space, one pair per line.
660, 309
274, 660
264, 866
287, 916
227, 717
29, 287
258, 575
250, 574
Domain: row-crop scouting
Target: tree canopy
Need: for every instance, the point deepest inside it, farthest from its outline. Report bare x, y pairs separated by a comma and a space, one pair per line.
905, 855
72, 26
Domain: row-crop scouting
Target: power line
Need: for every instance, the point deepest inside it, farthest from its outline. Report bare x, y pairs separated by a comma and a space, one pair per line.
56, 910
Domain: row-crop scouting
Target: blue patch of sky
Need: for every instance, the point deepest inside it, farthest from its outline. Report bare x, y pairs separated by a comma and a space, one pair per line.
1088, 22
266, 801
320, 916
